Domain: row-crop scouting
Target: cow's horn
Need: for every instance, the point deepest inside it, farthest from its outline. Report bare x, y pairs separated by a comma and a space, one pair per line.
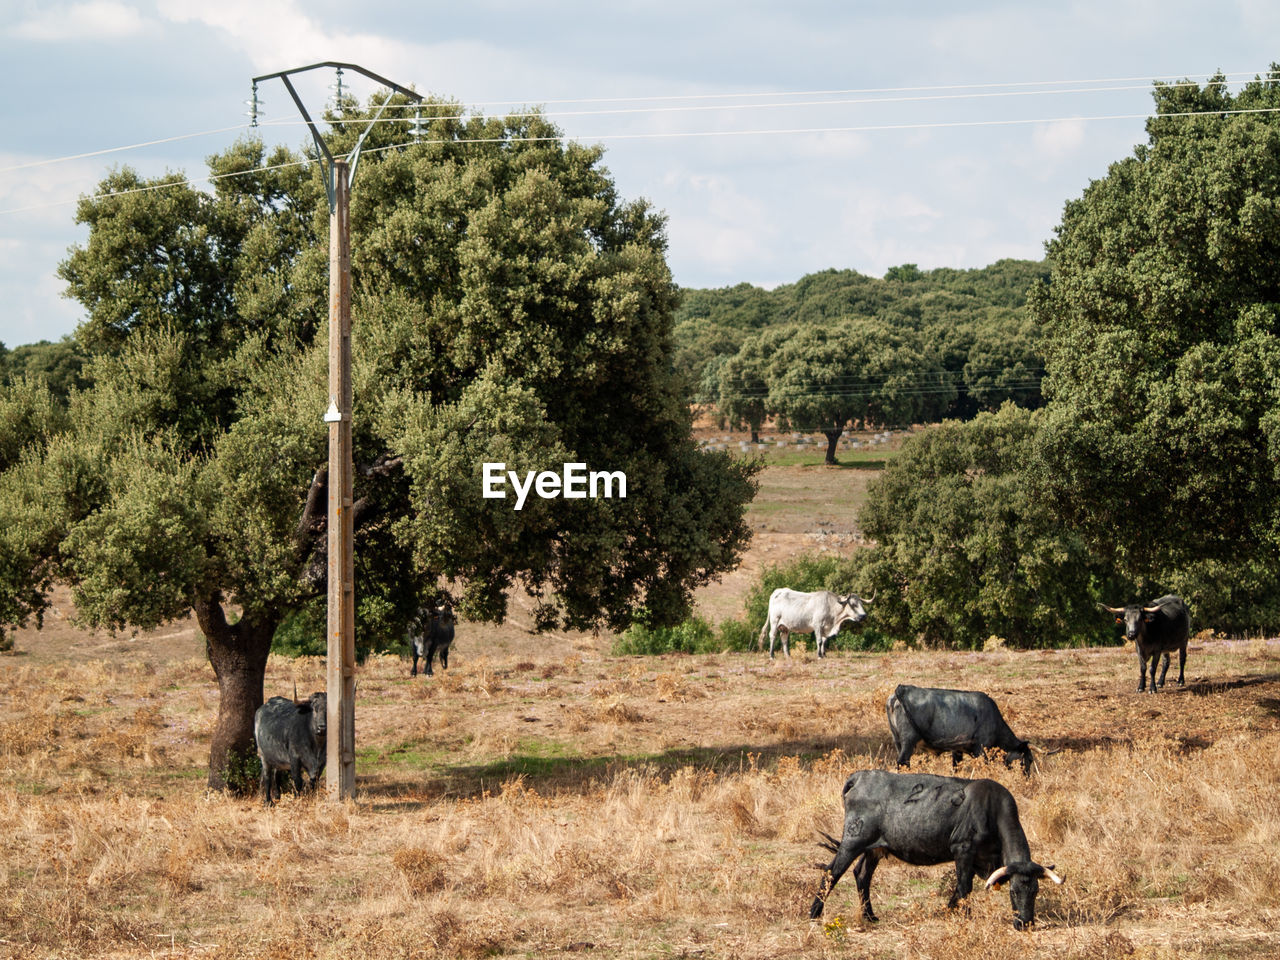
872, 597
295, 690
1048, 872
1103, 606
997, 877
1151, 609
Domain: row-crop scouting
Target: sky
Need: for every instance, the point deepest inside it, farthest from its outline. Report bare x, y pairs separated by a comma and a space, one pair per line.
778, 139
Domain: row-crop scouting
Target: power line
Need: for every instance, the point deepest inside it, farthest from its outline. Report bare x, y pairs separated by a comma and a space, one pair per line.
667, 135
1138, 83
1240, 76
131, 146
860, 101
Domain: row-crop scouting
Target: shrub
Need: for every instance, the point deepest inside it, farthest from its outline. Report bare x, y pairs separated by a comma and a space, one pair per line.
244, 771
736, 636
692, 636
967, 547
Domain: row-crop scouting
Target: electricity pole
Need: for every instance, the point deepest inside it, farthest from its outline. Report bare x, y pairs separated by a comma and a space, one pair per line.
340, 761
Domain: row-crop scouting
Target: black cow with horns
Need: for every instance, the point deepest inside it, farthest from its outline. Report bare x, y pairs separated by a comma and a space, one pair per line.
1160, 627
291, 735
925, 820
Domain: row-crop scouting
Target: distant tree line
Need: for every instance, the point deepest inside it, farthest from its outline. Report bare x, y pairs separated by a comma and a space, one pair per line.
840, 349
59, 364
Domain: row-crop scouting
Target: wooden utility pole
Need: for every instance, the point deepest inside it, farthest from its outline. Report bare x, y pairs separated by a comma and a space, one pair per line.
340, 756
341, 686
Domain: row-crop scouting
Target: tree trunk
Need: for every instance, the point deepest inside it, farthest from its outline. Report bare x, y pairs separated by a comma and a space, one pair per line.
755, 434
833, 437
238, 653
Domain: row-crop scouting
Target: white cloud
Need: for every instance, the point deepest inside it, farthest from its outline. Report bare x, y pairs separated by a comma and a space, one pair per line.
95, 20
1057, 138
277, 34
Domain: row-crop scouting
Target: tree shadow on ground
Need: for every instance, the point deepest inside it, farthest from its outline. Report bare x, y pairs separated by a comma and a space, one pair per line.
580, 775
1207, 688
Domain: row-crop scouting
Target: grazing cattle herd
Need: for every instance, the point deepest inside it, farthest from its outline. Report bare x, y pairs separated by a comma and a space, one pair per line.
921, 819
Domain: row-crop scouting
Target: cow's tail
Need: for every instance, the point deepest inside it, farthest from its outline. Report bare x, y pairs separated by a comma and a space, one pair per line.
828, 842
900, 695
764, 632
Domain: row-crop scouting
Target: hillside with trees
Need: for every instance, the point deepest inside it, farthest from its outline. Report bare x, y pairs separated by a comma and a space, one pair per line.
975, 342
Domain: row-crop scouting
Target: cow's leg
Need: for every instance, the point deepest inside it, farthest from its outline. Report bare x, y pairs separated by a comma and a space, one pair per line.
444, 658
1164, 668
427, 658
268, 775
315, 771
1182, 664
414, 671
295, 770
820, 642
1155, 663
1142, 672
786, 640
965, 867
851, 847
862, 873
773, 635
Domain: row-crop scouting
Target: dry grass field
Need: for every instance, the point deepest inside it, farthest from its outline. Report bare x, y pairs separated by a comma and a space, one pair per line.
542, 799
568, 804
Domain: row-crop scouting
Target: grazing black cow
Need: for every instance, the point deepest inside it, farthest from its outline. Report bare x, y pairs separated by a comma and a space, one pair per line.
291, 736
1162, 626
925, 820
431, 632
962, 721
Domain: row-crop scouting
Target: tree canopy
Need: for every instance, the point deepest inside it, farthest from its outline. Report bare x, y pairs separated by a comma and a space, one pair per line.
824, 377
965, 547
1161, 339
509, 307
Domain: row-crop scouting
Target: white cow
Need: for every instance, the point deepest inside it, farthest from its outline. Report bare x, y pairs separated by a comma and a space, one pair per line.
822, 613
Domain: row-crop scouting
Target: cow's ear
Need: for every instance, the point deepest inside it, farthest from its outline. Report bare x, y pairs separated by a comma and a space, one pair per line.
1119, 619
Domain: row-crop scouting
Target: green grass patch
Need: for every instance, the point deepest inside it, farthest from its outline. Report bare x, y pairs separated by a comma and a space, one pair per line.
406, 755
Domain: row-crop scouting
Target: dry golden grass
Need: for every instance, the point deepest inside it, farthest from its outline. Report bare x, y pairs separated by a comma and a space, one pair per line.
559, 804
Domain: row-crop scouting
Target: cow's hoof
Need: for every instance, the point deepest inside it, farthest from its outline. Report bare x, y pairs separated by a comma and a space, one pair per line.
815, 911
